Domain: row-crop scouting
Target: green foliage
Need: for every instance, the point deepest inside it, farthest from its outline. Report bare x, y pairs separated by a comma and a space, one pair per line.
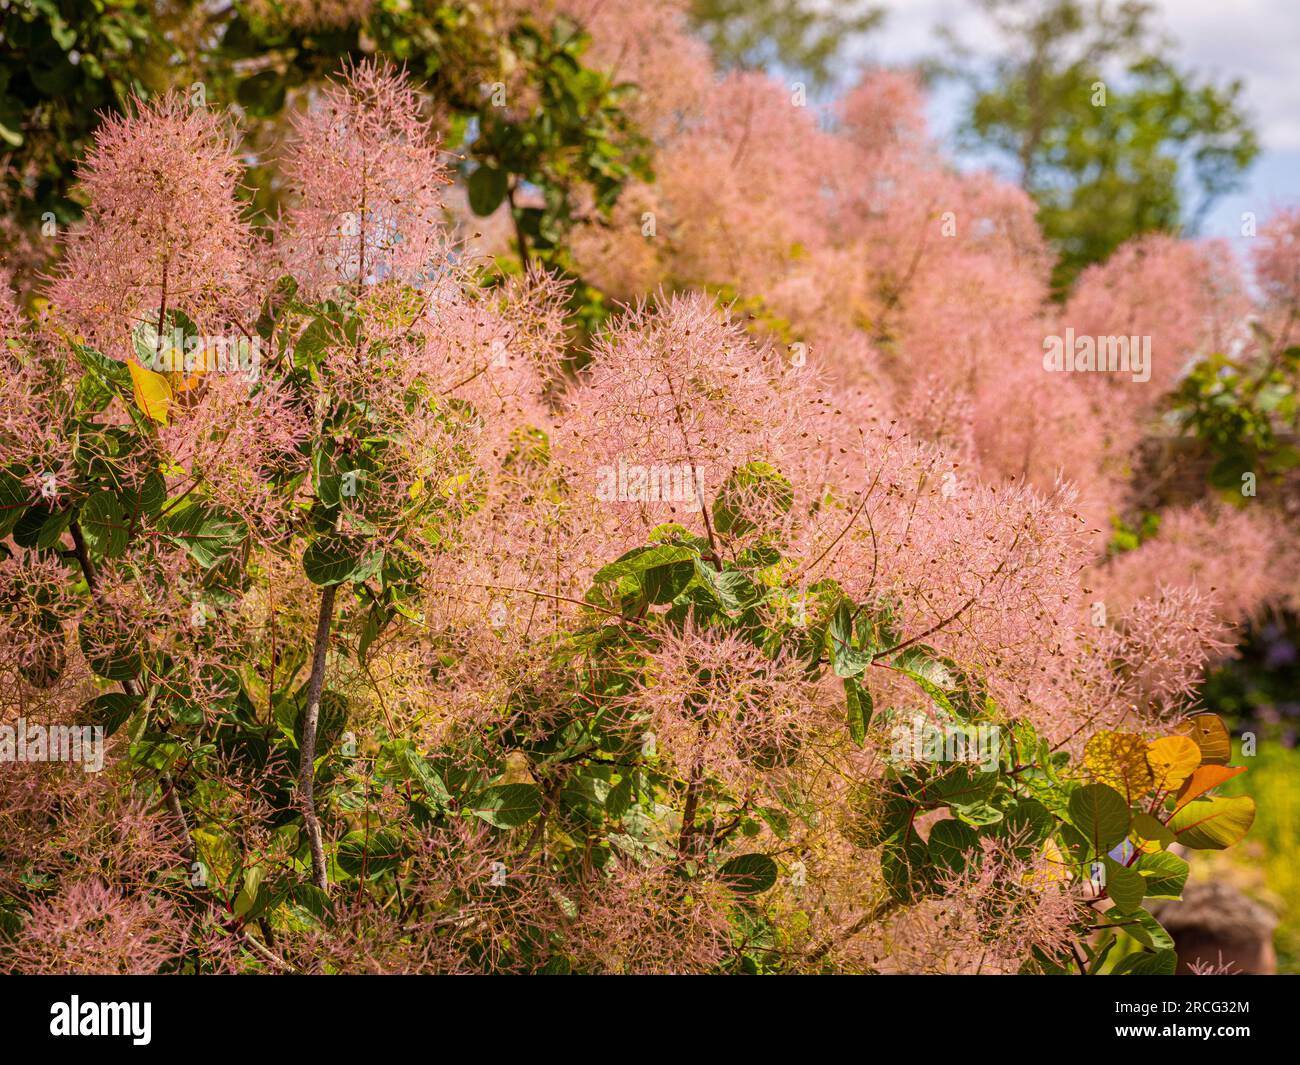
569, 766
610, 789
562, 772
114, 507
1245, 411
750, 874
1102, 815
575, 136
1129, 537
508, 805
521, 104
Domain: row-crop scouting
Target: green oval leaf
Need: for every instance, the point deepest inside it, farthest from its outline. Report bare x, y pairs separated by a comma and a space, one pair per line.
508, 805
104, 523
860, 708
749, 874
111, 710
1101, 814
663, 584
375, 852
14, 498
1165, 874
487, 188
333, 559
1124, 886
1213, 824
206, 533
951, 844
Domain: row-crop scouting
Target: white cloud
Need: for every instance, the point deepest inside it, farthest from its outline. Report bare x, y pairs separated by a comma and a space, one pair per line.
1255, 40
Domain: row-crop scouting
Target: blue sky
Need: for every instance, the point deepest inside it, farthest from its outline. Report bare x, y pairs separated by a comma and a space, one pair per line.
1255, 40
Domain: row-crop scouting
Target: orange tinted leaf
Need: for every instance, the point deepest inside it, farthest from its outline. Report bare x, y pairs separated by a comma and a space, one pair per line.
1205, 778
1213, 824
186, 382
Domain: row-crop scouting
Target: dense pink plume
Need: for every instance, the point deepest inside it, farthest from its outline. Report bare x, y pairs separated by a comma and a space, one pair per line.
163, 230
366, 179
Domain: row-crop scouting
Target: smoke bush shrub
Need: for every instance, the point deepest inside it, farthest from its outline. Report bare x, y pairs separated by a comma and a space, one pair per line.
416, 652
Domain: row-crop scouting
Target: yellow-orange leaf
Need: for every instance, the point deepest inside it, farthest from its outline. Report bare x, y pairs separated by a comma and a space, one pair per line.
1119, 759
153, 394
1210, 734
1172, 760
185, 382
1205, 778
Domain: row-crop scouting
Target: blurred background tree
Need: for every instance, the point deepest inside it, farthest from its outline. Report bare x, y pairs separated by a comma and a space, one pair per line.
804, 37
1087, 105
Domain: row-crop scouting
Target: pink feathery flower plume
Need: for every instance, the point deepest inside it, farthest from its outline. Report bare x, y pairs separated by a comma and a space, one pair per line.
367, 178
163, 230
89, 928
1277, 270
648, 920
719, 707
